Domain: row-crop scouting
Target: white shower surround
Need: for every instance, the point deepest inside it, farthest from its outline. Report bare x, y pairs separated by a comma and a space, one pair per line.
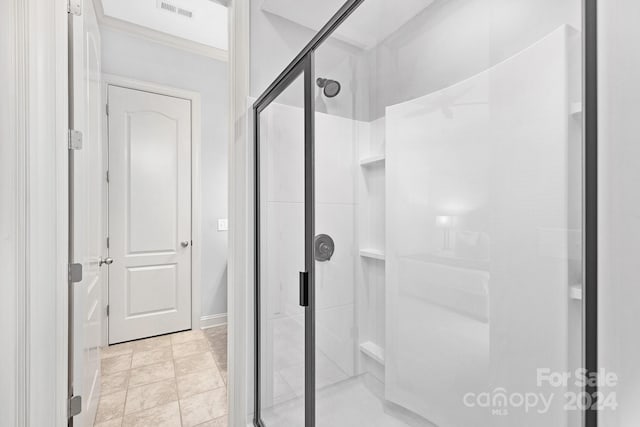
526, 98
495, 153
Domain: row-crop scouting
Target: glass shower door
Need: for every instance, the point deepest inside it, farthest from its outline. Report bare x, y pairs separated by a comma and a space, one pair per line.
282, 258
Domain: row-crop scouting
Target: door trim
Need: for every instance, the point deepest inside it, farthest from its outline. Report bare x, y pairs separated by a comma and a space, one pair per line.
34, 131
240, 212
196, 183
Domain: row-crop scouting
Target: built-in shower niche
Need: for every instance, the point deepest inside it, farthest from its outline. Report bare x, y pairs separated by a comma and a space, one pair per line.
370, 264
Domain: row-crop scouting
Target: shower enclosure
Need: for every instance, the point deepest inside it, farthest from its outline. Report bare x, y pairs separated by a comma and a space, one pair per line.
425, 219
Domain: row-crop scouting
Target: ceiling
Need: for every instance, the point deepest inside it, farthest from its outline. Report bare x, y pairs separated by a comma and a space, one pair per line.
372, 22
200, 21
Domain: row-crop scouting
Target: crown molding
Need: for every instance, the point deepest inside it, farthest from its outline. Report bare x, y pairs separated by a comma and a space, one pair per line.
158, 36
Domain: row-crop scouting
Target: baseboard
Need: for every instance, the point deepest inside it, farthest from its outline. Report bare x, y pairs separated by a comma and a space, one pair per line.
213, 320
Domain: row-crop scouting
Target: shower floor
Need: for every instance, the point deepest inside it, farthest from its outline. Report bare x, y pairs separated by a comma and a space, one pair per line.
354, 402
342, 400
287, 361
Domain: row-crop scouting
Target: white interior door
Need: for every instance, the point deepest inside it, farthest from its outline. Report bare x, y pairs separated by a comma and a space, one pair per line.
89, 242
149, 214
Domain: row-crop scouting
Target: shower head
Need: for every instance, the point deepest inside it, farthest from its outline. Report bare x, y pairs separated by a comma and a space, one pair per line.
330, 87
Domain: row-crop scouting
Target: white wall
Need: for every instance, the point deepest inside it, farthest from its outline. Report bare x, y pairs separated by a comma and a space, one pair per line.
449, 41
619, 151
452, 40
275, 41
130, 56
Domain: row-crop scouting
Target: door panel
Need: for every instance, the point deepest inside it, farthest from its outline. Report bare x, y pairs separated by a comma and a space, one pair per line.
153, 181
89, 243
149, 214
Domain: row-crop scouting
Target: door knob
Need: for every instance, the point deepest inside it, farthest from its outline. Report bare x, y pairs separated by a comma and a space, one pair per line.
106, 260
184, 244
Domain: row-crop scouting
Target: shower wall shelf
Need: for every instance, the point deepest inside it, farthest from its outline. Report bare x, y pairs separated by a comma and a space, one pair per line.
373, 350
371, 161
370, 166
372, 253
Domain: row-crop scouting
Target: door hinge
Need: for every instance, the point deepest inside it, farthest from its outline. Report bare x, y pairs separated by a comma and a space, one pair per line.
107, 243
107, 310
75, 140
74, 406
74, 7
107, 176
75, 273
106, 109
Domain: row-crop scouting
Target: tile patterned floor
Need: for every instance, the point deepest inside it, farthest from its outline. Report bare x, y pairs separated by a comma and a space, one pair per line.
177, 380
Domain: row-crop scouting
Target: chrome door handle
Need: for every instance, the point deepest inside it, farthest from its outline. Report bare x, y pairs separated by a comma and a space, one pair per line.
106, 260
184, 244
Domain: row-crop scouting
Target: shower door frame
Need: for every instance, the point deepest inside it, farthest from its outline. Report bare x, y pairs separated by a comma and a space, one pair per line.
303, 64
303, 68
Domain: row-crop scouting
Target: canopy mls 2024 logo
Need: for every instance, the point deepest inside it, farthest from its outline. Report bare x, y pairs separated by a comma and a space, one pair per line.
553, 388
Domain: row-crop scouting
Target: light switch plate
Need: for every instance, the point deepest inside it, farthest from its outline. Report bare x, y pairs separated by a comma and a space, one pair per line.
223, 224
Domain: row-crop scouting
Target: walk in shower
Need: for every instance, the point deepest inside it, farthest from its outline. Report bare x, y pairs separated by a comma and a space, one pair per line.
422, 219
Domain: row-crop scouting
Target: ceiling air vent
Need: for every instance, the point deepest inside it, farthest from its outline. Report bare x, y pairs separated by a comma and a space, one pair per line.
185, 12
165, 5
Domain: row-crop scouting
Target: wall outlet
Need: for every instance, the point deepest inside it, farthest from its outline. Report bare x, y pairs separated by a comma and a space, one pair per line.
223, 224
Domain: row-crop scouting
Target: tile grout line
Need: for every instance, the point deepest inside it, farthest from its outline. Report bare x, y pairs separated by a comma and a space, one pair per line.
124, 408
218, 369
126, 392
156, 382
223, 378
174, 378
214, 359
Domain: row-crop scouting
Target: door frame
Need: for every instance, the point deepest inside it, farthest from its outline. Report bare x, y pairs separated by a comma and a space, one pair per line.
196, 182
240, 265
